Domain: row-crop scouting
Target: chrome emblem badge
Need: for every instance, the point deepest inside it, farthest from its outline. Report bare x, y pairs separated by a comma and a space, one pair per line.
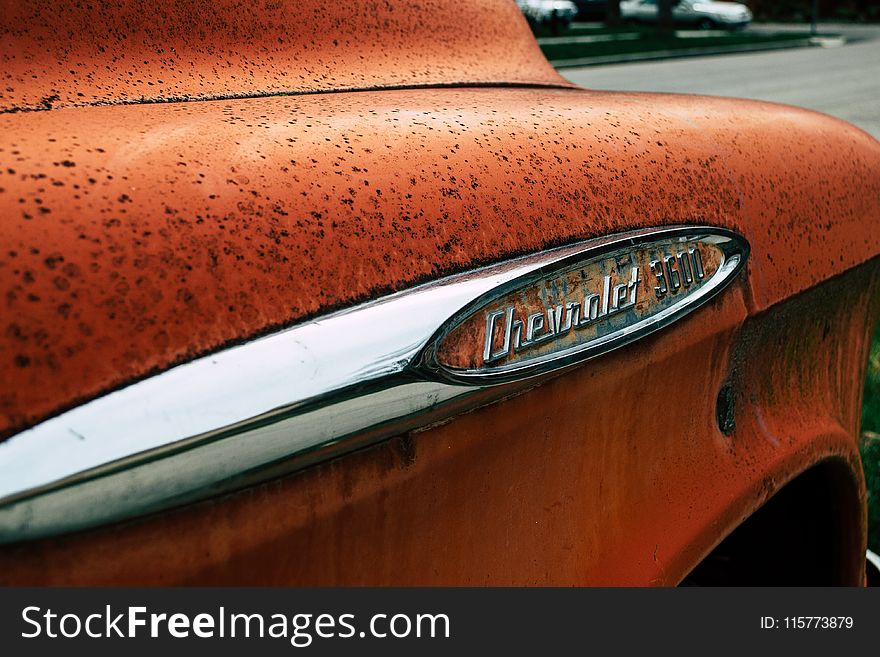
586, 303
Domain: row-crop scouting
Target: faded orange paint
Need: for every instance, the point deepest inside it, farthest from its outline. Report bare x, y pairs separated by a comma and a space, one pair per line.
139, 236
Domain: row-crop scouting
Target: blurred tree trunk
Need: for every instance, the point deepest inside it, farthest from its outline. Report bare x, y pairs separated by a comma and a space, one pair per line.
612, 13
664, 17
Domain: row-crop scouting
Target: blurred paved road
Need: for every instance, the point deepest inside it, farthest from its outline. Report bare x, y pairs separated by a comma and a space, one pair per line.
844, 81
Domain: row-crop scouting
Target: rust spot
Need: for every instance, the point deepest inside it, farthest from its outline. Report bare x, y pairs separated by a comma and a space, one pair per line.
405, 449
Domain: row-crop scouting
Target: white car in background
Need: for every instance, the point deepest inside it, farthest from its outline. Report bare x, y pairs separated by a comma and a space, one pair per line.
544, 12
705, 15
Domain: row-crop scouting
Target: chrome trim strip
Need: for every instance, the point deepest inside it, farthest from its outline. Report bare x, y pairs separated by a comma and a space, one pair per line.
270, 406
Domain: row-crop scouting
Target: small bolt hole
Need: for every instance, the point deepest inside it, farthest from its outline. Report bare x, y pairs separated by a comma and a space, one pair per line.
724, 410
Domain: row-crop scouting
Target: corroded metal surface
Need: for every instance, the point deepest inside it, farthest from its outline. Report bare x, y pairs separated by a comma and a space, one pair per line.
136, 237
67, 52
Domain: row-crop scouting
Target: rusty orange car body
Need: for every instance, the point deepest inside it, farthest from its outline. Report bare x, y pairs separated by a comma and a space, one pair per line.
179, 178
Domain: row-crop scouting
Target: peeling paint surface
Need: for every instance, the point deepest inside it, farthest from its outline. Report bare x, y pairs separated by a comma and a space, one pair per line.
137, 237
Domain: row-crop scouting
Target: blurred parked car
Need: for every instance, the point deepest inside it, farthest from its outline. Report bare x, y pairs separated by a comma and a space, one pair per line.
548, 12
705, 15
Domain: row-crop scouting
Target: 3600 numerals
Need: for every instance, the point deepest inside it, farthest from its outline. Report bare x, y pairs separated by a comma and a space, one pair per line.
675, 272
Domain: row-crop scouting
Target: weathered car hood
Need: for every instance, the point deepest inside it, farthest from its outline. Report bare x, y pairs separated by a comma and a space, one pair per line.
137, 237
68, 53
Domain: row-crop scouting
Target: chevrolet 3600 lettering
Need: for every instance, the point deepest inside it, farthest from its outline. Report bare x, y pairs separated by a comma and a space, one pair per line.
367, 293
587, 303
564, 317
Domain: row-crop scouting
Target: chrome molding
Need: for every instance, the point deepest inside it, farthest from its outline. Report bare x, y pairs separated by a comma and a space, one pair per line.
283, 401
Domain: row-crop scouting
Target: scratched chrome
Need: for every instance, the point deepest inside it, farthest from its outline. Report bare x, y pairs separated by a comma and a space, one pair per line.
315, 390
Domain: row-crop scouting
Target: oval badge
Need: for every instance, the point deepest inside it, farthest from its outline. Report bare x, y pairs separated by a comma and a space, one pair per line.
586, 304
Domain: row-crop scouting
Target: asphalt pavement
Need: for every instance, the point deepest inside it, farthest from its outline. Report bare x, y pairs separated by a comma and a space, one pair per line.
842, 81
